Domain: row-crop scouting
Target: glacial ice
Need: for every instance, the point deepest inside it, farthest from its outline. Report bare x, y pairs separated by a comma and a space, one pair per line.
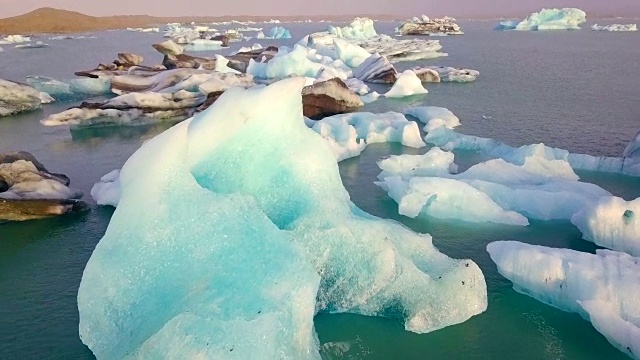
86, 117
14, 39
281, 241
407, 84
301, 61
539, 188
548, 19
203, 45
25, 181
73, 89
36, 45
348, 134
448, 139
612, 223
360, 28
278, 32
222, 65
16, 97
450, 74
434, 117
107, 190
603, 288
351, 54
615, 27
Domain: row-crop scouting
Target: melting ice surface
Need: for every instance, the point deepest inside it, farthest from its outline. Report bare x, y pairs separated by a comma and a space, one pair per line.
548, 19
234, 230
603, 288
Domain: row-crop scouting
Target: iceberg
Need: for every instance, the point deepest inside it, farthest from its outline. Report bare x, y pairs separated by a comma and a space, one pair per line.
281, 242
203, 45
448, 74
14, 39
279, 32
72, 90
407, 84
603, 288
107, 190
352, 55
434, 117
615, 27
548, 19
432, 27
360, 28
301, 61
349, 134
16, 98
612, 223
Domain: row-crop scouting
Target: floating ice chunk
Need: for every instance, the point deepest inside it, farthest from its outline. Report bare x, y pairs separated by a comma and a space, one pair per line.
247, 49
548, 19
25, 181
360, 28
446, 199
376, 69
14, 39
278, 32
107, 191
274, 223
449, 74
448, 139
434, 117
612, 223
603, 288
36, 45
352, 55
72, 90
16, 97
348, 134
615, 27
222, 65
357, 86
370, 97
203, 45
300, 61
435, 162
407, 84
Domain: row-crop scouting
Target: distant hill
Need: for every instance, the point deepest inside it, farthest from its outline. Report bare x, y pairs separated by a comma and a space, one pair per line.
49, 20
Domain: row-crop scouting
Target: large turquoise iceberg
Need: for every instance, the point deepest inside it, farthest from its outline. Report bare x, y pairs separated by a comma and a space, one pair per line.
234, 229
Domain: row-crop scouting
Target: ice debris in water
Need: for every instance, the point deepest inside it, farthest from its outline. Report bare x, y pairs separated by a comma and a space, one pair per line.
615, 27
72, 90
613, 223
360, 28
434, 117
603, 288
548, 19
279, 32
407, 84
447, 139
234, 230
493, 191
348, 134
107, 190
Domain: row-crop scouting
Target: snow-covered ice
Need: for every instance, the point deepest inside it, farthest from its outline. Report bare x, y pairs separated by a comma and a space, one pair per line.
603, 288
280, 241
434, 117
107, 190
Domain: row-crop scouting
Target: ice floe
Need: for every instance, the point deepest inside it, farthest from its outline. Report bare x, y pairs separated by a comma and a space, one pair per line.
548, 19
615, 27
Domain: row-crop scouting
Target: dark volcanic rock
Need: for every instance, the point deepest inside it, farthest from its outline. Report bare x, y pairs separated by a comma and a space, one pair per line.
22, 210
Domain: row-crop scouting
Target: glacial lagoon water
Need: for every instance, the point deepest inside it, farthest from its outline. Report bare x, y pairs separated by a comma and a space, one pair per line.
574, 90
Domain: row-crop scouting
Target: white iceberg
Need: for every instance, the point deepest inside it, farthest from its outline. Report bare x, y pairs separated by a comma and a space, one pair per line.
434, 117
548, 19
407, 84
107, 190
615, 27
349, 134
203, 45
612, 223
280, 241
14, 39
301, 61
360, 28
603, 288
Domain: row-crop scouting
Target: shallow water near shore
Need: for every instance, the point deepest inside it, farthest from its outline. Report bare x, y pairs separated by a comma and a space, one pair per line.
574, 90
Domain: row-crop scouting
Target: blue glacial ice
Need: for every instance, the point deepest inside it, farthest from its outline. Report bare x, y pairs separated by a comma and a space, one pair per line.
603, 288
75, 89
360, 28
300, 61
434, 117
278, 32
548, 19
225, 245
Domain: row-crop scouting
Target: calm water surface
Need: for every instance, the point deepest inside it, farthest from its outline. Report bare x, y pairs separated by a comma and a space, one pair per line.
574, 90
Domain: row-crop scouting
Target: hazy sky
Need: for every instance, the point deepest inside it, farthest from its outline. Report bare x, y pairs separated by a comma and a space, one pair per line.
466, 8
